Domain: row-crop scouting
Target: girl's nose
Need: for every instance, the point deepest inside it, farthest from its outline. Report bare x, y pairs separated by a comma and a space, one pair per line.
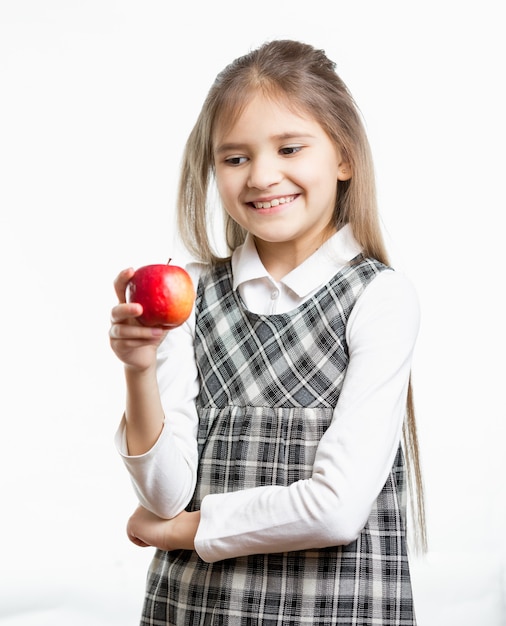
263, 173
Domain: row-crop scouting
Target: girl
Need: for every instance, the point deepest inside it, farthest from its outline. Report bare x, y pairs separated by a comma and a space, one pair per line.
263, 437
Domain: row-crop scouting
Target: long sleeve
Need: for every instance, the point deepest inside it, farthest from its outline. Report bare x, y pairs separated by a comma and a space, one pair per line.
354, 456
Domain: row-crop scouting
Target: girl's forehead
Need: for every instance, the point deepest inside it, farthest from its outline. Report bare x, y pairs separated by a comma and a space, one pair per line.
276, 107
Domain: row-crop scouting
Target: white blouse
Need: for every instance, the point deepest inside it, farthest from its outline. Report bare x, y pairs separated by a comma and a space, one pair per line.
354, 456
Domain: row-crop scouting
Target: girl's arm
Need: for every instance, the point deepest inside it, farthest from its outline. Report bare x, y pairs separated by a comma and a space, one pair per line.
355, 455
136, 347
156, 439
147, 529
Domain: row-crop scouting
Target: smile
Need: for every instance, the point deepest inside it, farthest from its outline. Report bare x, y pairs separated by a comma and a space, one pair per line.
273, 203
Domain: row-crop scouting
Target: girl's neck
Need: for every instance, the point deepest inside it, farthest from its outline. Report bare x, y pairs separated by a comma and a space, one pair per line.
279, 259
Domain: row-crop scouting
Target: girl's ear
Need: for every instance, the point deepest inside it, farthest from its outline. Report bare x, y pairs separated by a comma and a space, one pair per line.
344, 171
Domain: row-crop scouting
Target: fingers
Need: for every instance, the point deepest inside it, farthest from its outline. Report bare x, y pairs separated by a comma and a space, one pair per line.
131, 342
138, 542
136, 332
121, 282
123, 324
125, 312
134, 526
134, 539
135, 345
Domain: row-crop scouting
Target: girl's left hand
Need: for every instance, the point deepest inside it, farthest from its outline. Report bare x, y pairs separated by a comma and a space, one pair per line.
147, 529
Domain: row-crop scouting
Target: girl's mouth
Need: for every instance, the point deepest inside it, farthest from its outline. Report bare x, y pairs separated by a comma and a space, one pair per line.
272, 203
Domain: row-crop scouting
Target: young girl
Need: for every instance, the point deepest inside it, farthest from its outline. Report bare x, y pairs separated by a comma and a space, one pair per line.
263, 437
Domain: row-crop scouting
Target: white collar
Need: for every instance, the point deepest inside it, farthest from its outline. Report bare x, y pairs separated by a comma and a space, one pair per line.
309, 275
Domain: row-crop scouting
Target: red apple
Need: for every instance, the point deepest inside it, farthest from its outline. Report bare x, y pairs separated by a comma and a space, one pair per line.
166, 293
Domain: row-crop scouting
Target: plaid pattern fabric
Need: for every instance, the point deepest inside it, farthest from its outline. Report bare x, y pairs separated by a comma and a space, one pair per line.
269, 385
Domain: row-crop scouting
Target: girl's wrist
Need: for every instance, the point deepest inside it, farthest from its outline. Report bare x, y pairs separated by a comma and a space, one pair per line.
184, 530
140, 372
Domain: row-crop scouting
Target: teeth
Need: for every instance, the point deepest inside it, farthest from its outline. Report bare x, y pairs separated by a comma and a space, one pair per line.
275, 202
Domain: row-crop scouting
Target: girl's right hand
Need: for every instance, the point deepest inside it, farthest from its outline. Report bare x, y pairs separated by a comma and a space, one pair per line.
135, 345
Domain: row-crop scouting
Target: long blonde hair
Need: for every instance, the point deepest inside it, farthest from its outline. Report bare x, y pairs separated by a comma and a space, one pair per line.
307, 81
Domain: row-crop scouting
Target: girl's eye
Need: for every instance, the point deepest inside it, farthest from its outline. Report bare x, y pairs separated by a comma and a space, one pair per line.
236, 160
289, 150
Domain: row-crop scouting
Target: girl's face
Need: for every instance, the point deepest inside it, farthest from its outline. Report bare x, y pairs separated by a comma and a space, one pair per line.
277, 173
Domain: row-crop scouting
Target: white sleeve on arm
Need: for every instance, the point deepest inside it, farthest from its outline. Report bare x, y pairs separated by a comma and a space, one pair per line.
164, 477
354, 456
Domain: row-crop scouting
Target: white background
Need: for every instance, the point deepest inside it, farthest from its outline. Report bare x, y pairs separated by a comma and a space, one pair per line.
96, 100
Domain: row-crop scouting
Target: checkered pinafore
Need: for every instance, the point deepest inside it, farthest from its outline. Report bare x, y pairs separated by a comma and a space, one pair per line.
269, 385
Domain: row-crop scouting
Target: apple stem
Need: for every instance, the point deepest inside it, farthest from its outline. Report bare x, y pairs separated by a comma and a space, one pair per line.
168, 262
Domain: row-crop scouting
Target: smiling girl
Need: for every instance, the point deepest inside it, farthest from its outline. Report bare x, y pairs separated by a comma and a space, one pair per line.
264, 436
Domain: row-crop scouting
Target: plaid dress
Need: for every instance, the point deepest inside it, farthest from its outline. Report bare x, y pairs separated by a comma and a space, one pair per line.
269, 385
